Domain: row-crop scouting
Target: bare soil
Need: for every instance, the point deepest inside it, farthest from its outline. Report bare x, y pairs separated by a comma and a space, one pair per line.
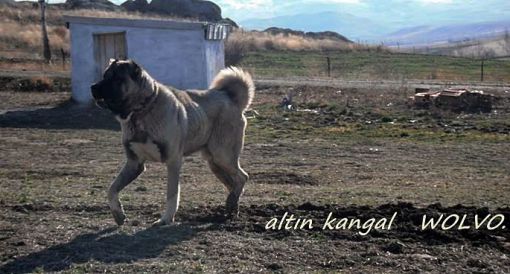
357, 153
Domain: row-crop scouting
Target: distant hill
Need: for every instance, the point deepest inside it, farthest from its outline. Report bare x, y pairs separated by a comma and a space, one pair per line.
314, 35
475, 48
428, 35
351, 26
373, 29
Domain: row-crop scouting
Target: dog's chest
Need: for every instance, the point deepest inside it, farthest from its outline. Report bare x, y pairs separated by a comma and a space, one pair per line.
146, 151
142, 145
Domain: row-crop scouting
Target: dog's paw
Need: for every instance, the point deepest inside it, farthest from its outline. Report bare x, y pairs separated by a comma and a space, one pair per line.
162, 222
232, 211
232, 215
119, 217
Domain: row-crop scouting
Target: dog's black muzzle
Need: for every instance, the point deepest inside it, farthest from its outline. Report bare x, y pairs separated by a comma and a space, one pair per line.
95, 89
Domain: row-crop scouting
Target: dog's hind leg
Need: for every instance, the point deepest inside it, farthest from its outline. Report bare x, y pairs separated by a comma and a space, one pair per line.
131, 170
239, 178
225, 165
220, 173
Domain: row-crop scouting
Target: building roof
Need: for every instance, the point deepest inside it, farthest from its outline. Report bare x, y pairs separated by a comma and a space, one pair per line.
212, 31
137, 23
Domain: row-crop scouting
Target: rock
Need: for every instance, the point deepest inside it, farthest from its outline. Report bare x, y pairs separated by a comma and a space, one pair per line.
92, 4
141, 189
136, 5
477, 263
394, 247
207, 10
19, 243
274, 266
135, 223
196, 9
424, 256
202, 10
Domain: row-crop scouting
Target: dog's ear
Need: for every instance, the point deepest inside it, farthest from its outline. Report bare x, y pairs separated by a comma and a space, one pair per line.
135, 70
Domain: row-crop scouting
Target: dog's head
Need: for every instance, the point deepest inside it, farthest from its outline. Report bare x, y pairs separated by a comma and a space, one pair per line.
120, 87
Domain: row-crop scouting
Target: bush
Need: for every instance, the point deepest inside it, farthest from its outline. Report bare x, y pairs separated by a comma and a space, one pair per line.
235, 50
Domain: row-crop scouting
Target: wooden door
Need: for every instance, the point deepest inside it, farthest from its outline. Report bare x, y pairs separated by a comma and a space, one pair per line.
107, 46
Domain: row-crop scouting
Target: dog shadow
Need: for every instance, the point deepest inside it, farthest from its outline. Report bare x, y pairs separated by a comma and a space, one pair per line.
106, 246
67, 115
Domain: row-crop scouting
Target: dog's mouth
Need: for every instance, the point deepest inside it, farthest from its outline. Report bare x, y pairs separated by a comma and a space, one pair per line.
107, 104
100, 102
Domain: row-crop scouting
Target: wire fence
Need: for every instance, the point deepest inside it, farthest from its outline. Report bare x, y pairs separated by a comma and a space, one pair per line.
377, 66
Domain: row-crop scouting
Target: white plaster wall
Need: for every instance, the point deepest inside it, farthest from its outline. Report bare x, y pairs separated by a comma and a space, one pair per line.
173, 57
180, 58
82, 63
215, 55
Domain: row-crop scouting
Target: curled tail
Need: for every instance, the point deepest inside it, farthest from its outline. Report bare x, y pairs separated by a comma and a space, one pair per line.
237, 84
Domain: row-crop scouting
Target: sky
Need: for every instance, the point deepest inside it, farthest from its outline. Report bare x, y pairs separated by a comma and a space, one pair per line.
442, 10
241, 10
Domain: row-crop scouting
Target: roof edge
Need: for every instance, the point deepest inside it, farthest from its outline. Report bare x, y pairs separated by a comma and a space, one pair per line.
137, 23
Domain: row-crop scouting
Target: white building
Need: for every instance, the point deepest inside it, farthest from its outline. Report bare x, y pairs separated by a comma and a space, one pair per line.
186, 55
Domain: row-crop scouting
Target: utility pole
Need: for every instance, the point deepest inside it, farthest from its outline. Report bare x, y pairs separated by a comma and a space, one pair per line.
44, 32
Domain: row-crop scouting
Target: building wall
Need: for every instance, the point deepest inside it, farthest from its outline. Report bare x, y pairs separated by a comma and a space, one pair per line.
180, 58
215, 54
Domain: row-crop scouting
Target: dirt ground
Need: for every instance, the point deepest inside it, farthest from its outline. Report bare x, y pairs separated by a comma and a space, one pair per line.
357, 153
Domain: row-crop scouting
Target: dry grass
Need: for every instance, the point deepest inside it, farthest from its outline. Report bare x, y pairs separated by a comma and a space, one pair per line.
255, 41
28, 14
20, 29
15, 36
35, 65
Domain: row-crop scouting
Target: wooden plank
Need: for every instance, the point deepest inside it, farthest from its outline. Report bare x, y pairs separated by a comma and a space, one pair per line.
107, 46
103, 53
110, 47
97, 56
120, 46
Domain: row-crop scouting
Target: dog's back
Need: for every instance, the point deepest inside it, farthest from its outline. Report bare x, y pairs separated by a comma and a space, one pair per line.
216, 111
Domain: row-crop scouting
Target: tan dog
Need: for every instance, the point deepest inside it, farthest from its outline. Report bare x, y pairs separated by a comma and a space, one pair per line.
164, 124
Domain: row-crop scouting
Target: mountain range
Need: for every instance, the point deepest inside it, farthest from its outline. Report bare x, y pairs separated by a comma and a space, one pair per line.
427, 35
402, 22
372, 31
347, 24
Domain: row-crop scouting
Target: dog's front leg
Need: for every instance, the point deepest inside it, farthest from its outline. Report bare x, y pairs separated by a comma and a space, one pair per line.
172, 192
132, 168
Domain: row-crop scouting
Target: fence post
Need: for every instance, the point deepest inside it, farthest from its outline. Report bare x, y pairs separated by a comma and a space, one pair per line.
481, 70
329, 66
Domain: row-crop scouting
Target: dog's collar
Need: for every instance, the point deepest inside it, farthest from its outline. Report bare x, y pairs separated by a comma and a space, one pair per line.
147, 103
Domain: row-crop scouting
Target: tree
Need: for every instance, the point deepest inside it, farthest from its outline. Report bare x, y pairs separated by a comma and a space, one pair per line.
44, 31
